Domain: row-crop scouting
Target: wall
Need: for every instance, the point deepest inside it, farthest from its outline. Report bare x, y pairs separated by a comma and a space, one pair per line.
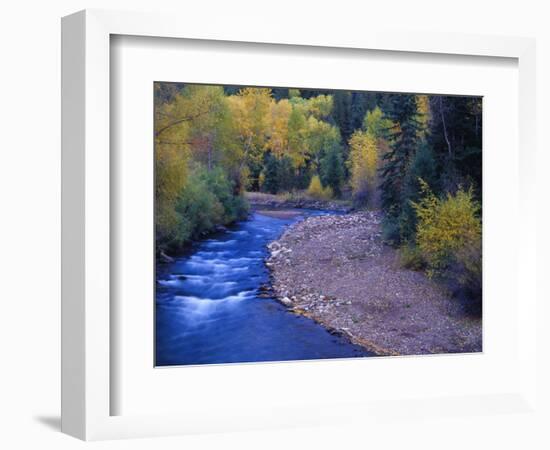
30, 187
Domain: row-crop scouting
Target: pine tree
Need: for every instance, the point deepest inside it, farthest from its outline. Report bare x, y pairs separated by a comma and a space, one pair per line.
332, 169
285, 173
403, 139
455, 135
341, 113
271, 175
422, 167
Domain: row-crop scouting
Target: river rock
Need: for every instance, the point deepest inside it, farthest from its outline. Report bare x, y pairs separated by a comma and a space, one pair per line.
286, 301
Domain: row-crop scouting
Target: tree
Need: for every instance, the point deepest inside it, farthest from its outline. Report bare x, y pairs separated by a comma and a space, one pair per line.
341, 113
361, 103
317, 191
250, 112
332, 169
320, 138
278, 125
271, 175
403, 140
177, 123
363, 163
298, 151
424, 114
449, 236
285, 174
421, 173
376, 124
455, 135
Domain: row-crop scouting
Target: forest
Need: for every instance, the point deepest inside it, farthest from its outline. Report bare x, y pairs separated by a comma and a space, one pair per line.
417, 158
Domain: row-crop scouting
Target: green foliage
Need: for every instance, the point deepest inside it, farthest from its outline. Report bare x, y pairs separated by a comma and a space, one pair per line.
205, 201
293, 93
422, 167
212, 143
376, 124
332, 169
403, 139
286, 175
297, 136
270, 173
391, 230
342, 113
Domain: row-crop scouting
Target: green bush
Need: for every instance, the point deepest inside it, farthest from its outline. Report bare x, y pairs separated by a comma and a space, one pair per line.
206, 201
391, 230
234, 206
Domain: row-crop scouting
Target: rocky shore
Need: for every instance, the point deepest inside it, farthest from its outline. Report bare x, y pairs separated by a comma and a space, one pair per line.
337, 271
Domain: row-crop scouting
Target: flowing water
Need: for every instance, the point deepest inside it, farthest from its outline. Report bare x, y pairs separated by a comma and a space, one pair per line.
208, 310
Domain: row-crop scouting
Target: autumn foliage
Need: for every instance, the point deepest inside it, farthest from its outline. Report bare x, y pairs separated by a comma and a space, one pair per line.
317, 191
449, 234
408, 155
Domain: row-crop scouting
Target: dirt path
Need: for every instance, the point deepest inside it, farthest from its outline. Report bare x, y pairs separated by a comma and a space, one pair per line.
336, 270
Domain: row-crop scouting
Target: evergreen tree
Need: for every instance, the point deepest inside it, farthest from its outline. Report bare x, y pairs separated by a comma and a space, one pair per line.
341, 113
279, 93
285, 174
361, 103
271, 175
422, 167
403, 140
332, 169
455, 135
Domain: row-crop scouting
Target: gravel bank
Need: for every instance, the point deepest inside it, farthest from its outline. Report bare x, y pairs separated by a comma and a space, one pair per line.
337, 271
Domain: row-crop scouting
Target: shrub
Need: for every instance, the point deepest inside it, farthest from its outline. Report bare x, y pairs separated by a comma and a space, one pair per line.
449, 235
206, 201
411, 257
316, 190
391, 231
466, 269
234, 207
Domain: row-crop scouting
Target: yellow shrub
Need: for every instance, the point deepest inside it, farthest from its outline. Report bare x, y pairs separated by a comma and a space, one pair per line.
449, 231
316, 190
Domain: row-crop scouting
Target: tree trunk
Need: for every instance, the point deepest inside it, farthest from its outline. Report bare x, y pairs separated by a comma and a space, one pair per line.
444, 126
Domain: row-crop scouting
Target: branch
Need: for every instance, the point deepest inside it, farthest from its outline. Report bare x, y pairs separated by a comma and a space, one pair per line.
183, 119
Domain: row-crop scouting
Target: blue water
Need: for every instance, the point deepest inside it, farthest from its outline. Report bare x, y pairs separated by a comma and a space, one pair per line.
208, 310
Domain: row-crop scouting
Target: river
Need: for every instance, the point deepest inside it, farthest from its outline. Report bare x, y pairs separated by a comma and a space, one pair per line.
208, 310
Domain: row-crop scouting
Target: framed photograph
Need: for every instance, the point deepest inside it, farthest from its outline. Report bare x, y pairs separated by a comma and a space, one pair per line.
251, 219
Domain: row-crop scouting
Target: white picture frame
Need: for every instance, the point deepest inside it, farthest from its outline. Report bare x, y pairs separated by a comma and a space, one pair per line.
86, 220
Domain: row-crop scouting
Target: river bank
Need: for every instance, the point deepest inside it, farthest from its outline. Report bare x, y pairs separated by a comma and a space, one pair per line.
298, 200
336, 271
